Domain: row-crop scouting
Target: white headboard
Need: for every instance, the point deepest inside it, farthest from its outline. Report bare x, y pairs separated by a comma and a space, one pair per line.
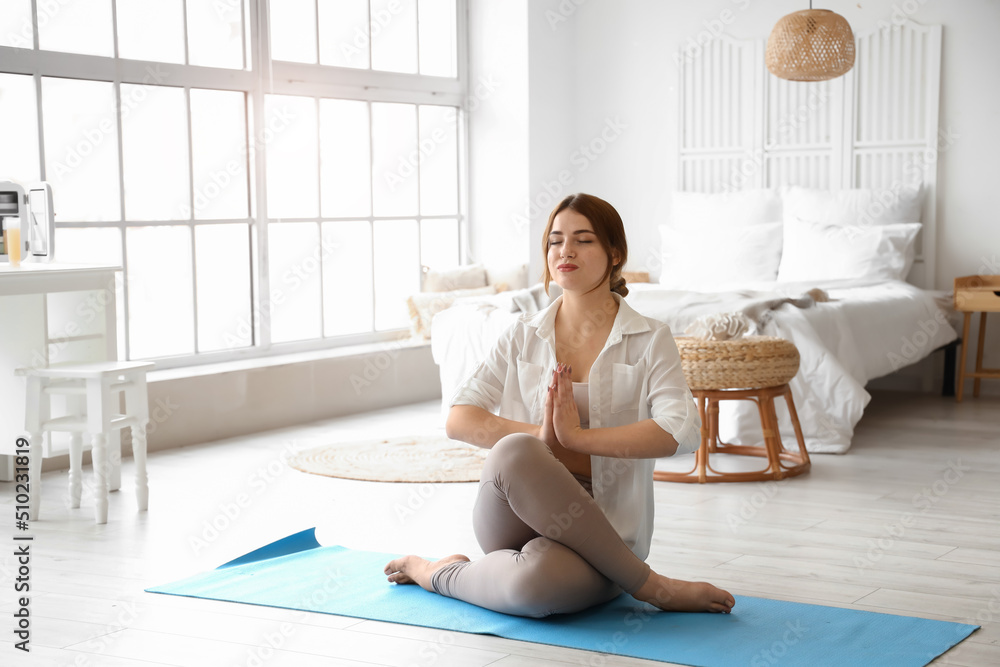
875, 127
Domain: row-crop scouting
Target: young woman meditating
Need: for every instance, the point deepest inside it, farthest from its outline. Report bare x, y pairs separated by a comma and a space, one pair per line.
588, 393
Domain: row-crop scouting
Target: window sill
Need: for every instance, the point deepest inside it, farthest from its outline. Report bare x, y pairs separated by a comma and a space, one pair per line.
287, 359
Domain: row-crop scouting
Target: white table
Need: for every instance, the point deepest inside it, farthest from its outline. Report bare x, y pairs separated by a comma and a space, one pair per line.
50, 314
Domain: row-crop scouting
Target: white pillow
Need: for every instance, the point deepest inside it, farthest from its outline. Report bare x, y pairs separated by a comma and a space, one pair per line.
458, 277
815, 251
705, 260
513, 277
852, 207
690, 210
424, 306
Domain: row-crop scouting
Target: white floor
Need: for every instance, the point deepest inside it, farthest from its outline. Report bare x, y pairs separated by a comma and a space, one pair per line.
905, 523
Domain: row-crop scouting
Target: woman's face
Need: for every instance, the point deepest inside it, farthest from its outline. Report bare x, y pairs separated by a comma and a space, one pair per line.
576, 259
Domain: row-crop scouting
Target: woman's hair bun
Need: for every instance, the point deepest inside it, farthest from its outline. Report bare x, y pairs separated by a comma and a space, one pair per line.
619, 286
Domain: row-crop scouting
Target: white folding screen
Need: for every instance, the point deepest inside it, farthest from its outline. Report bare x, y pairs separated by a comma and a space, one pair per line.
720, 114
876, 127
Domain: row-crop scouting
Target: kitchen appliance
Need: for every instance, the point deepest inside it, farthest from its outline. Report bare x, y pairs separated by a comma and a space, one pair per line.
37, 219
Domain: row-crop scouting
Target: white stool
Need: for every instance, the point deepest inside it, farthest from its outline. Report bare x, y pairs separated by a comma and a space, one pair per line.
92, 392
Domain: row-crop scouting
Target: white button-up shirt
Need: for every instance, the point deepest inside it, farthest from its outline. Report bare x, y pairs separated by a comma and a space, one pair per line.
636, 376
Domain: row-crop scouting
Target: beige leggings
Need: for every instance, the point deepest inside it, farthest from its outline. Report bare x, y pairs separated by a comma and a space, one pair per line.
549, 547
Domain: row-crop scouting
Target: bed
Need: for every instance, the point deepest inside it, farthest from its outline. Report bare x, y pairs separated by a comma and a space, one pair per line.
762, 253
783, 187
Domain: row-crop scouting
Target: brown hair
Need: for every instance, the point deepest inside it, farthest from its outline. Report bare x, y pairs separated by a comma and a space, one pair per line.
608, 228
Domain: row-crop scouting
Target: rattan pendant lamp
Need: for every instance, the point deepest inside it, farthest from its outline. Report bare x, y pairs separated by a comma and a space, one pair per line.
810, 45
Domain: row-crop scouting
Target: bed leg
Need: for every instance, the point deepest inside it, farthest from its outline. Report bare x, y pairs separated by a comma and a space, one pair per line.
948, 381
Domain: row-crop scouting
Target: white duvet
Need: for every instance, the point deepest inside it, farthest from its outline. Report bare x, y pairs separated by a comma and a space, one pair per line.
865, 331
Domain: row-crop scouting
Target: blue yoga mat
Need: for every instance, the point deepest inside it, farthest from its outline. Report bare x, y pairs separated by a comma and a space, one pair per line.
298, 573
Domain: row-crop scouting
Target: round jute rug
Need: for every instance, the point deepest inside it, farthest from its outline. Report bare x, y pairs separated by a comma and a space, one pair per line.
404, 459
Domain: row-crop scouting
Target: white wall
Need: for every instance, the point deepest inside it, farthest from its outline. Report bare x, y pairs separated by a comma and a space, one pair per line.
619, 57
553, 117
498, 131
522, 133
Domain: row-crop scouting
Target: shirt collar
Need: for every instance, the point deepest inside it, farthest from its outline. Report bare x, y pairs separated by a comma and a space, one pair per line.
627, 321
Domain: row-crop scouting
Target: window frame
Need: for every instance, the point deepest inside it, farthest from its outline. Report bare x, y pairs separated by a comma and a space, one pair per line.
262, 77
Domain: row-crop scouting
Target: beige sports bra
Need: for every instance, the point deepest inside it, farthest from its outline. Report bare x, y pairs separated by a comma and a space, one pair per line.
581, 394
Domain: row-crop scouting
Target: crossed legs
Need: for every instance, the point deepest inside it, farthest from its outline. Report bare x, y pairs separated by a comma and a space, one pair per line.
549, 547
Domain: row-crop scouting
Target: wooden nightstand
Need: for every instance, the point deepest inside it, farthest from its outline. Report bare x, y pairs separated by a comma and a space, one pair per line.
976, 294
636, 276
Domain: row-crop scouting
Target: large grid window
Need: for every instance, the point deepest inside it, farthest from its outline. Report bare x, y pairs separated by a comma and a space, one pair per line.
271, 175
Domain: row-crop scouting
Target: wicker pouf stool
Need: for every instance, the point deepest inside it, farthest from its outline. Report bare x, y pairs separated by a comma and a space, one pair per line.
753, 368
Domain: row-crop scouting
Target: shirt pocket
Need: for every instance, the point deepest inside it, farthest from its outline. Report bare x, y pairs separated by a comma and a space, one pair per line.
529, 379
626, 387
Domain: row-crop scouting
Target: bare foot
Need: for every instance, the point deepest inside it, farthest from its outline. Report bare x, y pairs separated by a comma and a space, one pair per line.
677, 595
417, 570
